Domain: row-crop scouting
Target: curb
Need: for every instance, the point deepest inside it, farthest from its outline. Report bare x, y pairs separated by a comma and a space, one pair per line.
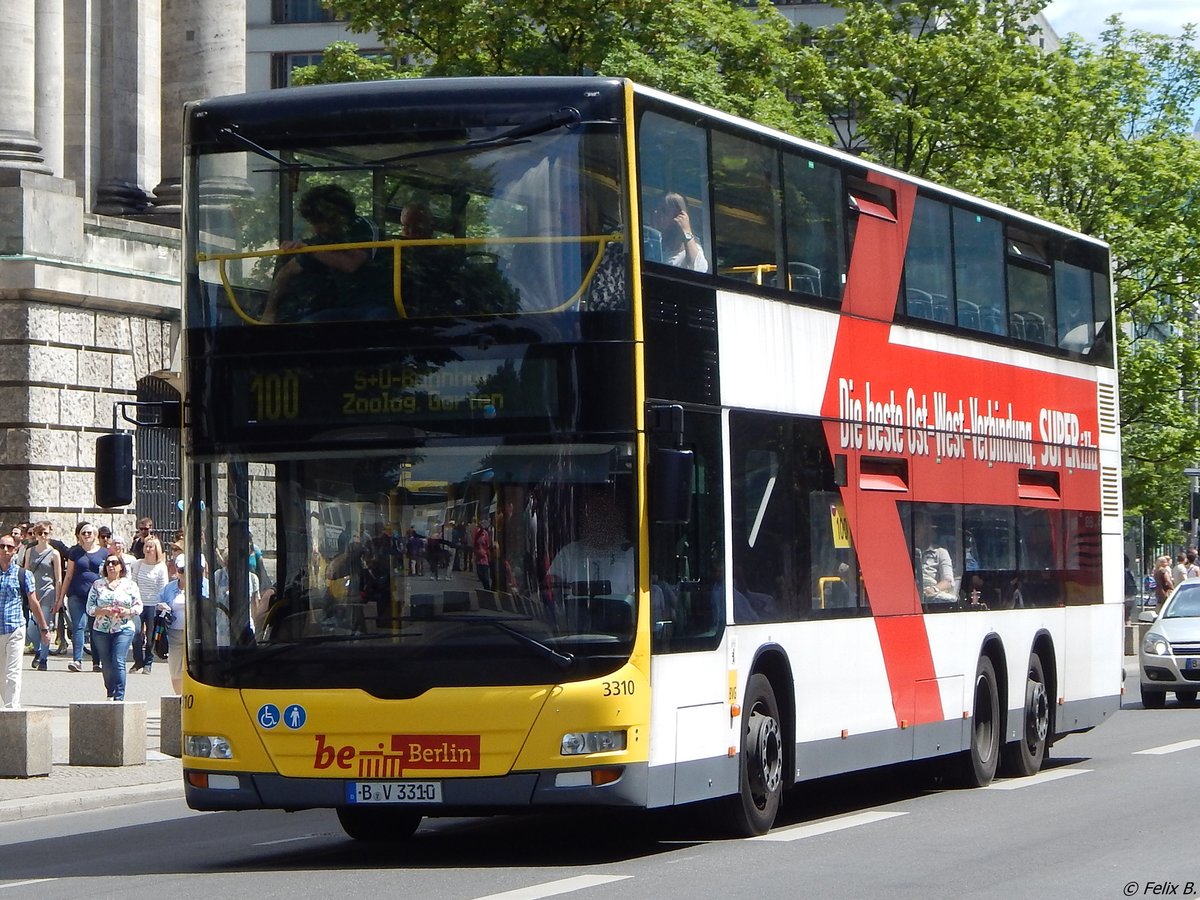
95, 798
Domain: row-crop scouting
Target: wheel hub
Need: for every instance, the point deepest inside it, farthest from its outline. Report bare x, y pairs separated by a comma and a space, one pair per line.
765, 746
1037, 712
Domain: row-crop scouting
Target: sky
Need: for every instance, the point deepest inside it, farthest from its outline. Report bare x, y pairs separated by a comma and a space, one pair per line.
1086, 17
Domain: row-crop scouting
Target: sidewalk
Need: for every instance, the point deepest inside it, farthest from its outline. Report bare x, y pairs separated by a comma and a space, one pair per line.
73, 788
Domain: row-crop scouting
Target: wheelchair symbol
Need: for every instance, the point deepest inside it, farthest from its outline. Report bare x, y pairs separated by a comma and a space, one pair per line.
268, 715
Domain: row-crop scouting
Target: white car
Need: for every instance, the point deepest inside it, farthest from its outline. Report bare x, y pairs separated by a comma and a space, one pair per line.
1170, 656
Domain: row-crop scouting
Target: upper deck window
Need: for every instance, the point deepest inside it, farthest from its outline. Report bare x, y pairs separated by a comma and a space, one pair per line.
746, 197
444, 224
1031, 314
814, 227
970, 270
673, 163
928, 265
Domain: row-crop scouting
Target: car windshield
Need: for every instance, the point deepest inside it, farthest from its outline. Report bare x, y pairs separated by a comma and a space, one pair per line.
1185, 604
479, 563
481, 223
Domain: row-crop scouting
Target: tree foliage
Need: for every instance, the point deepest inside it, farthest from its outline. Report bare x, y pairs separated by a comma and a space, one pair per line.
719, 52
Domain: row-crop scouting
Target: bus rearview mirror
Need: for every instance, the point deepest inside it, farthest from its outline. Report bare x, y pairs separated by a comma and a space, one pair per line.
114, 470
671, 477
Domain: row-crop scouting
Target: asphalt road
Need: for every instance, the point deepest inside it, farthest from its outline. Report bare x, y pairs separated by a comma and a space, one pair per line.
1108, 817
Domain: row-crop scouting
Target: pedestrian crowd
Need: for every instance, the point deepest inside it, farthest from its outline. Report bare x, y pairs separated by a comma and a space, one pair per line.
96, 599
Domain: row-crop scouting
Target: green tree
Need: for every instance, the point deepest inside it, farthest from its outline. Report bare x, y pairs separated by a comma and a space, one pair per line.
718, 52
342, 61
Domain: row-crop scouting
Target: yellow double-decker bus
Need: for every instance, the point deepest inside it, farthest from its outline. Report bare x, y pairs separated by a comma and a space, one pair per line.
523, 481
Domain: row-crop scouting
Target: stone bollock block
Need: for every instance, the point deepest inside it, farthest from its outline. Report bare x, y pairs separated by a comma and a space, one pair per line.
26, 742
108, 733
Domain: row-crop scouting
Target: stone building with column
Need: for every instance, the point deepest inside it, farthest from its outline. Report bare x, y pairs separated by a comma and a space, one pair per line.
91, 96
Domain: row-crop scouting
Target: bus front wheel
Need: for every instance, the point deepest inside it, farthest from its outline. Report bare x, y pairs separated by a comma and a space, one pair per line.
1024, 757
378, 824
979, 764
760, 765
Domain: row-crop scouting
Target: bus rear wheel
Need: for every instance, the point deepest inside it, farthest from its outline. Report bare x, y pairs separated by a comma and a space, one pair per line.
1024, 757
378, 824
753, 809
980, 761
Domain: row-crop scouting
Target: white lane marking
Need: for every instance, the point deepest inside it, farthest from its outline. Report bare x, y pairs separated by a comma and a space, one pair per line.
799, 832
554, 888
291, 840
23, 883
1014, 784
1168, 748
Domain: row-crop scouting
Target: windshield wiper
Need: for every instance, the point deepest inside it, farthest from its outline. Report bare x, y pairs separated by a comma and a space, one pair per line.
237, 138
564, 661
568, 115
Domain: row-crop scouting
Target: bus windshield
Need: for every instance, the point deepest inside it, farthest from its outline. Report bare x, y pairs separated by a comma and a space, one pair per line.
397, 572
432, 223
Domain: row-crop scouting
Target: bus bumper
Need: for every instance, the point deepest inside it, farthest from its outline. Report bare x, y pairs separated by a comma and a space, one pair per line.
211, 790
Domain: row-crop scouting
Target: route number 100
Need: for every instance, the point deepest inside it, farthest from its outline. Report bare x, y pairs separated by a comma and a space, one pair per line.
275, 396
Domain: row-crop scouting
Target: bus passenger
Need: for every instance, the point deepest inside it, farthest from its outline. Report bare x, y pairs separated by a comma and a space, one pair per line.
327, 284
935, 569
416, 221
680, 247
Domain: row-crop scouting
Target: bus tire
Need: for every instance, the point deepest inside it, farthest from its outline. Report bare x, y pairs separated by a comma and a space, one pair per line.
378, 824
1024, 757
753, 809
980, 761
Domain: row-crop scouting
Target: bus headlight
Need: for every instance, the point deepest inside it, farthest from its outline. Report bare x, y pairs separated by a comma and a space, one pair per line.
1155, 645
577, 742
208, 746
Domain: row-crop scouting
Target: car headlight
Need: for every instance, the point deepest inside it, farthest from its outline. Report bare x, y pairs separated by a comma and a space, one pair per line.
209, 746
577, 742
1156, 645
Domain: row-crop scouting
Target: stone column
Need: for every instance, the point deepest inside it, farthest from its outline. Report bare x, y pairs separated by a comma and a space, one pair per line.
118, 193
19, 149
48, 68
204, 55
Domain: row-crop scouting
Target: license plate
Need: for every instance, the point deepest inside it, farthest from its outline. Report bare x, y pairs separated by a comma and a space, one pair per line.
1192, 663
393, 792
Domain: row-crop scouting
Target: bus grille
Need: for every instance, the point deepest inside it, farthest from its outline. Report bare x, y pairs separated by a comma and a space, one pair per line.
1106, 397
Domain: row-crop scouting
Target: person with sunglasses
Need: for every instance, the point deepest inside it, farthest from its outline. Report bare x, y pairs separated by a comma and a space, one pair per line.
85, 564
16, 594
44, 563
145, 531
115, 604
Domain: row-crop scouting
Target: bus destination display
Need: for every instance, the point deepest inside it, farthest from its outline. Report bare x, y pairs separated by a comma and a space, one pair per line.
340, 395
